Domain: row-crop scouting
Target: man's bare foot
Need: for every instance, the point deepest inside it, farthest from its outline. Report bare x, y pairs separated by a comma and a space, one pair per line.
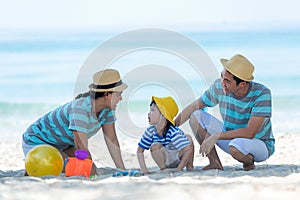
190, 168
213, 166
249, 166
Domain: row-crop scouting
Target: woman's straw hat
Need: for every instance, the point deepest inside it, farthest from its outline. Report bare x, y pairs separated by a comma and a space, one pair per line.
239, 66
167, 106
107, 80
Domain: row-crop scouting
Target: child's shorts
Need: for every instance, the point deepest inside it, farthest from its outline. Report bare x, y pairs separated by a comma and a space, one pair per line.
172, 159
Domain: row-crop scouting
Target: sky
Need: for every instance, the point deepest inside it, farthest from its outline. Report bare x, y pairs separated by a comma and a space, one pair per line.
191, 14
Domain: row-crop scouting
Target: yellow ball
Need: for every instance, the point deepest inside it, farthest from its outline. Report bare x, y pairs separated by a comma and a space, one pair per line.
44, 160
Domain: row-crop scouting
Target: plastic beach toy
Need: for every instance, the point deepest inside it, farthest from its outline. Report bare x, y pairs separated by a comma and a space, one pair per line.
81, 154
79, 165
127, 173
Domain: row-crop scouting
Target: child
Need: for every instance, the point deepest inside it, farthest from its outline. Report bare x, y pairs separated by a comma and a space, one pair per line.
169, 146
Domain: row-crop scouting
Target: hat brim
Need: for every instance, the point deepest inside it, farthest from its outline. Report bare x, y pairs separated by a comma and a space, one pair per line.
158, 103
224, 61
119, 88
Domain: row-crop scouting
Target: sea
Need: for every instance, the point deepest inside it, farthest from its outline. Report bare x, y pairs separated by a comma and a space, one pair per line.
41, 70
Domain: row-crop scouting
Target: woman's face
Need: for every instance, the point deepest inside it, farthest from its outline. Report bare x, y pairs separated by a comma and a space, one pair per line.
115, 97
154, 115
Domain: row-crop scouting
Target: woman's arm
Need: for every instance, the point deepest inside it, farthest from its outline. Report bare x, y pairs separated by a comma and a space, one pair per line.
112, 143
81, 142
141, 159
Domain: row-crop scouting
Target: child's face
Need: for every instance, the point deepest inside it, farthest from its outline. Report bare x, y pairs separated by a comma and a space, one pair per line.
154, 115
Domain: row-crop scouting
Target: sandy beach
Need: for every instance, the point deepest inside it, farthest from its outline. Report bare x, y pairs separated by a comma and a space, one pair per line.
49, 51
278, 178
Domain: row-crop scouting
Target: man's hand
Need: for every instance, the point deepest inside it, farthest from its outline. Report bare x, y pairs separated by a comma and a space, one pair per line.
209, 143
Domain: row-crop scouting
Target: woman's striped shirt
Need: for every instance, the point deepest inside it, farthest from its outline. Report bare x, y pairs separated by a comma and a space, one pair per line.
55, 128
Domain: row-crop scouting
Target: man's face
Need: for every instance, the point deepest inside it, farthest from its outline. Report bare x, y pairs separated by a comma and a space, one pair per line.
227, 82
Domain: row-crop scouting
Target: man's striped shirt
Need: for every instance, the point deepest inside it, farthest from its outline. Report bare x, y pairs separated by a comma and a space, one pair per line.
236, 111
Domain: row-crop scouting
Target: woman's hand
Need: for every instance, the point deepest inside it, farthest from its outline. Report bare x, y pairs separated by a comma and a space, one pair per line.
94, 170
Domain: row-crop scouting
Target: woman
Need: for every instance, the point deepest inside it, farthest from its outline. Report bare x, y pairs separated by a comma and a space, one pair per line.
68, 127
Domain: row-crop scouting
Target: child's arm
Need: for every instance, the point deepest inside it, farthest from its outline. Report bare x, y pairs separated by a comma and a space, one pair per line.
141, 159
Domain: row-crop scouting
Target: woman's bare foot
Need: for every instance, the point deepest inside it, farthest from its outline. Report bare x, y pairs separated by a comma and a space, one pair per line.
190, 168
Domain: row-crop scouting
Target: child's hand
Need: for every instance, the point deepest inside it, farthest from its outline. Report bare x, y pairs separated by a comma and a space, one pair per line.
146, 173
174, 171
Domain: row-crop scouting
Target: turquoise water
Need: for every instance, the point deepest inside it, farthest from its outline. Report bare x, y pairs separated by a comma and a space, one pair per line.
39, 71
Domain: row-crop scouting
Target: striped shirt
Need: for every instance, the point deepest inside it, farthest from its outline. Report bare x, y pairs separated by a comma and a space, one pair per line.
55, 128
174, 138
236, 111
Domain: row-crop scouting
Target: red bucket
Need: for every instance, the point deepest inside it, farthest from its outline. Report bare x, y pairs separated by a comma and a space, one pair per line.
77, 167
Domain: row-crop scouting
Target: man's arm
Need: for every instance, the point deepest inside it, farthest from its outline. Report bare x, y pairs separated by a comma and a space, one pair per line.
253, 126
250, 131
186, 113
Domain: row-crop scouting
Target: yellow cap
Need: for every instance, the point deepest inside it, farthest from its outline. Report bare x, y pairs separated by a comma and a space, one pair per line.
167, 106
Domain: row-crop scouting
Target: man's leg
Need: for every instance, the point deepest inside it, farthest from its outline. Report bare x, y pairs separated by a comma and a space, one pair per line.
200, 134
247, 151
247, 160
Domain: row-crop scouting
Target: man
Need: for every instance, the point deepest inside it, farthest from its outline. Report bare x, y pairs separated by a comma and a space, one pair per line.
245, 107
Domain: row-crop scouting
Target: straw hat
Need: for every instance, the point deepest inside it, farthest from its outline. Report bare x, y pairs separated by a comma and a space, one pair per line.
107, 80
239, 66
167, 106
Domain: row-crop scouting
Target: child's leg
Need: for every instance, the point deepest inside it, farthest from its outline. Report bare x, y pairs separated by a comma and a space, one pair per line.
158, 155
186, 156
190, 164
